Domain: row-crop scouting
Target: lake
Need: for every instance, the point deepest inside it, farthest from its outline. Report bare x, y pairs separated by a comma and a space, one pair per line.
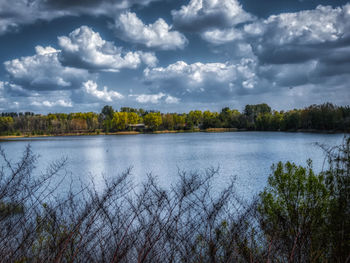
248, 156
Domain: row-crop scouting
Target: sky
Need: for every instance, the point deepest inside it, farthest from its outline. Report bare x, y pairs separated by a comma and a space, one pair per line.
172, 55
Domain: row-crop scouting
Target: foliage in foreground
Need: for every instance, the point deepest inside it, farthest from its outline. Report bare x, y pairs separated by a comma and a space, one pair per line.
306, 216
299, 217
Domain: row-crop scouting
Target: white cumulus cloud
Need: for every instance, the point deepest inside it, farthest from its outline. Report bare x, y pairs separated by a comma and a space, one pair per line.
172, 100
200, 81
204, 14
196, 73
157, 35
50, 104
84, 48
310, 27
149, 98
156, 98
91, 88
43, 71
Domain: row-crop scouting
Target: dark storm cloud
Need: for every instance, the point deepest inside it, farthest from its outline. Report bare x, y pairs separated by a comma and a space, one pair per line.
287, 75
308, 49
302, 36
14, 13
17, 90
333, 69
267, 8
292, 37
81, 4
108, 8
284, 55
338, 55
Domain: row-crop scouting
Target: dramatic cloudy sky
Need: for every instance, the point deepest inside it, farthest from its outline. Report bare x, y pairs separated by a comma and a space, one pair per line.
172, 55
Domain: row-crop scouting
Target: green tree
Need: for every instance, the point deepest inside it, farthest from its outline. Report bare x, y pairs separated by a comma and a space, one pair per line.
263, 121
168, 121
120, 121
108, 112
133, 118
91, 120
153, 120
194, 119
292, 120
276, 121
210, 120
6, 124
128, 109
229, 118
179, 121
252, 112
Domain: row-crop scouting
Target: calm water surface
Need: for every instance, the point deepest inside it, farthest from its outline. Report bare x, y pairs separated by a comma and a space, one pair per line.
248, 156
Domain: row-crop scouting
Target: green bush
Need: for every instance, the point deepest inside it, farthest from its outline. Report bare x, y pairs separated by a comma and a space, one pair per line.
305, 217
294, 211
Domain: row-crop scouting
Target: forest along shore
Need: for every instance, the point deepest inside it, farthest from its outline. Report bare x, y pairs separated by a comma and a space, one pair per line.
325, 118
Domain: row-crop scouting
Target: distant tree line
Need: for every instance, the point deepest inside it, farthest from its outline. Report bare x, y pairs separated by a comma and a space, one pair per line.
260, 117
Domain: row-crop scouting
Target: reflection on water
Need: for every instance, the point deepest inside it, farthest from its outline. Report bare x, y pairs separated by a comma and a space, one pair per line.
246, 155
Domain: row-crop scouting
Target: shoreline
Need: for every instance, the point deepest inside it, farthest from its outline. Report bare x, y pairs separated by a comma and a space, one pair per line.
210, 130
